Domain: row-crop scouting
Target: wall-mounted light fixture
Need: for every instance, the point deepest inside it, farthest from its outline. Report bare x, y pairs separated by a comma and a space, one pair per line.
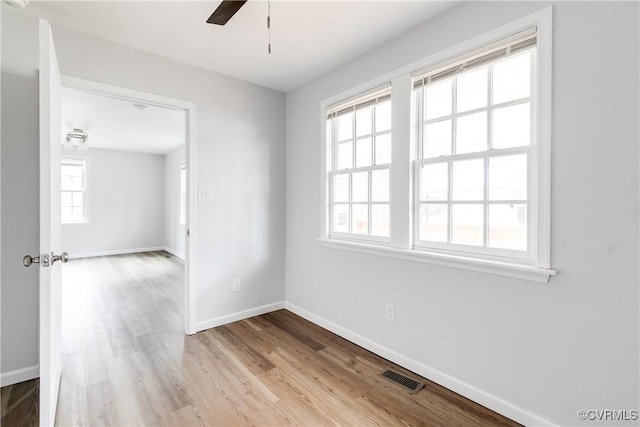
77, 138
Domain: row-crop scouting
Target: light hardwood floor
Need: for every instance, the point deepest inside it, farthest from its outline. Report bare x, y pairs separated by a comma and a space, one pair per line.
128, 362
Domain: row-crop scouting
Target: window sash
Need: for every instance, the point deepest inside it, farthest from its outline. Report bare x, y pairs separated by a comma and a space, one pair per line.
71, 190
419, 87
370, 98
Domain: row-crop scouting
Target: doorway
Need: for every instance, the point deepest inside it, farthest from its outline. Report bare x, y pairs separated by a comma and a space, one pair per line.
137, 100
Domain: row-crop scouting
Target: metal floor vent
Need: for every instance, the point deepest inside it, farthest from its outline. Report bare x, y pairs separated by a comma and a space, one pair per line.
411, 385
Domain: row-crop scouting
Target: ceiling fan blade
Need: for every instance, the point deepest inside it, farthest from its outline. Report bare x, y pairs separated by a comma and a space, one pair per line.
225, 11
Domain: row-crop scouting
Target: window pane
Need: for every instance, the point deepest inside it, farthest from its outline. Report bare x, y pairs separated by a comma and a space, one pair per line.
468, 222
77, 199
65, 170
383, 149
437, 139
364, 121
341, 188
433, 223
65, 198
508, 227
472, 90
76, 171
471, 133
468, 180
380, 185
66, 183
341, 218
66, 214
435, 182
360, 187
77, 214
380, 220
511, 78
511, 126
438, 100
76, 183
360, 223
345, 155
383, 116
508, 177
345, 126
363, 152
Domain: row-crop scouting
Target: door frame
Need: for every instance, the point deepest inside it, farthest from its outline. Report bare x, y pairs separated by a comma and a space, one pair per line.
190, 307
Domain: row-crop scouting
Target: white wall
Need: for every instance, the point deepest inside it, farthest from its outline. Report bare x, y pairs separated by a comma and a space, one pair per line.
20, 203
240, 159
125, 201
545, 350
174, 232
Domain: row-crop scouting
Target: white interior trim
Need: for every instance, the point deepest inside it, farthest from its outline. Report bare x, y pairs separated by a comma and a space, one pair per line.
240, 315
463, 388
19, 375
190, 312
498, 268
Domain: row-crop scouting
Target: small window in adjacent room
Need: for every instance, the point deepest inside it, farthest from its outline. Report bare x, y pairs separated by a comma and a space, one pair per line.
73, 197
477, 152
183, 194
359, 143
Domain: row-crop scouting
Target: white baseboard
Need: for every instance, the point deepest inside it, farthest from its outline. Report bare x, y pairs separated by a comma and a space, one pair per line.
117, 252
467, 390
174, 253
19, 375
240, 315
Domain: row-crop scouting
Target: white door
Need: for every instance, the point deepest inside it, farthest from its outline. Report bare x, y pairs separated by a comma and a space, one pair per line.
50, 229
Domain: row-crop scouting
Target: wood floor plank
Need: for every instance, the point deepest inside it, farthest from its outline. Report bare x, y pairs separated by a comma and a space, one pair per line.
72, 411
127, 361
20, 405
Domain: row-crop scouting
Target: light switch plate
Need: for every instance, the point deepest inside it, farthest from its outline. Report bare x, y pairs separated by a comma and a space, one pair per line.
204, 195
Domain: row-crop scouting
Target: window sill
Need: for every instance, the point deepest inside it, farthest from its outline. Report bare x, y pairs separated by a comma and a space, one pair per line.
517, 271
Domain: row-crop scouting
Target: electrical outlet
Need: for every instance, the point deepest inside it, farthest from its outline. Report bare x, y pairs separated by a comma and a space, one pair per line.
390, 312
237, 285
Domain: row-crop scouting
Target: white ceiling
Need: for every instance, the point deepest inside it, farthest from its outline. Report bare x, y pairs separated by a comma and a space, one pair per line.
116, 124
309, 38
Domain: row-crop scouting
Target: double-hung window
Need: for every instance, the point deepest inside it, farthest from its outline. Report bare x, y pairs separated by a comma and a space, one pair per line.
73, 197
359, 137
477, 153
468, 184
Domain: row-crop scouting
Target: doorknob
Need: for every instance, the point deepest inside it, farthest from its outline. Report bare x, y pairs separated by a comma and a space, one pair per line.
63, 258
42, 260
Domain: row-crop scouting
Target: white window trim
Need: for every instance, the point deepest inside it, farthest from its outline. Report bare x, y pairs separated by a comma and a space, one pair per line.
374, 95
87, 204
402, 148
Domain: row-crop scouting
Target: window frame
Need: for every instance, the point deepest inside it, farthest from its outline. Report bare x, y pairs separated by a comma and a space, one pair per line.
530, 150
402, 172
372, 98
85, 191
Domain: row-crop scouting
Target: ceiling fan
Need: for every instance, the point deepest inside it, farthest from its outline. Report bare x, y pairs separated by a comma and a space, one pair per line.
225, 11
228, 8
